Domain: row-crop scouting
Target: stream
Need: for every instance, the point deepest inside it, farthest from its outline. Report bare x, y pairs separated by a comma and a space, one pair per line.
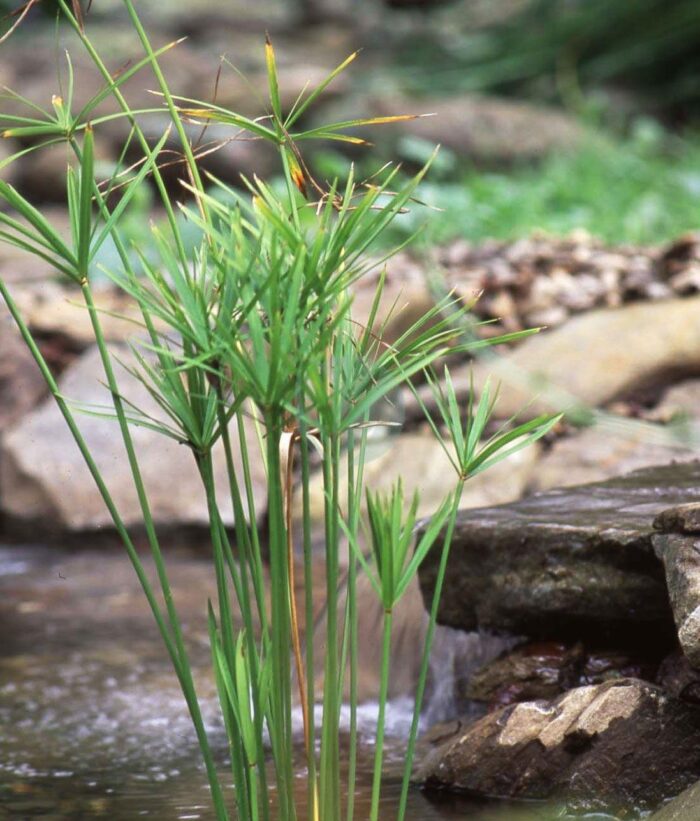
92, 723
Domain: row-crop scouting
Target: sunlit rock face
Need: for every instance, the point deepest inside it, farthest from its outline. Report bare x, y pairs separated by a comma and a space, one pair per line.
47, 486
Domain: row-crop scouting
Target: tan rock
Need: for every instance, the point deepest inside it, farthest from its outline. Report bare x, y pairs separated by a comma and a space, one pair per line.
597, 357
422, 465
594, 454
609, 747
46, 483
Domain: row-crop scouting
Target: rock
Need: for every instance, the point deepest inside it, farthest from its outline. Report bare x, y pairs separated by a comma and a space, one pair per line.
680, 403
54, 311
46, 484
618, 360
678, 255
686, 807
680, 519
484, 129
23, 270
422, 465
532, 671
611, 747
405, 297
681, 558
594, 454
21, 384
567, 564
41, 175
546, 669
679, 679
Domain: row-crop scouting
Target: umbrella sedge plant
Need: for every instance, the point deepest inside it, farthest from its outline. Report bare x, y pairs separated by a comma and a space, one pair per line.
254, 331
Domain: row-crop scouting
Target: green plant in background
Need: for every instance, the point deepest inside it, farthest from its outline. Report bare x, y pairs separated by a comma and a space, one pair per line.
640, 189
256, 323
554, 47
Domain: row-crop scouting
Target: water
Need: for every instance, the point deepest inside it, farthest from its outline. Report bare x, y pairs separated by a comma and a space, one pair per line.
92, 723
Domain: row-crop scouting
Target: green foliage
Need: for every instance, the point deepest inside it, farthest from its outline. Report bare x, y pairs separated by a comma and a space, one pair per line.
643, 189
648, 47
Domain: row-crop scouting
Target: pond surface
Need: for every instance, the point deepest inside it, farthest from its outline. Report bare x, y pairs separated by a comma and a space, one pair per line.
92, 723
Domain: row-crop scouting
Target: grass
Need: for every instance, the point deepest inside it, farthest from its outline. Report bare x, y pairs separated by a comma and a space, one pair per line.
644, 190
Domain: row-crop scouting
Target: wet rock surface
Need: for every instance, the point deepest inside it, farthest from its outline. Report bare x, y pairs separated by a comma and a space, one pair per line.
544, 670
683, 808
567, 564
681, 559
598, 747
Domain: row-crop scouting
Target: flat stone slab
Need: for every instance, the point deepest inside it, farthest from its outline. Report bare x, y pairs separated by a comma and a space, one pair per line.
572, 563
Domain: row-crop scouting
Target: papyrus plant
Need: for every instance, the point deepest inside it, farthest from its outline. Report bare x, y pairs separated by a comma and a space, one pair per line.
255, 326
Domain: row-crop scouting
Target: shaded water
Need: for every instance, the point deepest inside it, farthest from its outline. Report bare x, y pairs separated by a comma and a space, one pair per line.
92, 723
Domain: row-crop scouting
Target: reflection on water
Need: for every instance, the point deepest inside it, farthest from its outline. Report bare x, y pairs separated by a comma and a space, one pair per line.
91, 717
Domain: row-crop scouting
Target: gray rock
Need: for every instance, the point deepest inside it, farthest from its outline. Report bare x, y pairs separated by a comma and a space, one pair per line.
686, 807
681, 519
677, 678
21, 385
681, 558
547, 669
46, 485
570, 563
614, 746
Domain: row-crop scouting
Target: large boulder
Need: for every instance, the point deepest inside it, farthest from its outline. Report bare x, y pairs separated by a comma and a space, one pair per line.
599, 356
45, 484
593, 359
573, 563
21, 384
614, 746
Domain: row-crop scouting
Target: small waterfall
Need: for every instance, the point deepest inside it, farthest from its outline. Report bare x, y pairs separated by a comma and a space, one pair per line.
456, 654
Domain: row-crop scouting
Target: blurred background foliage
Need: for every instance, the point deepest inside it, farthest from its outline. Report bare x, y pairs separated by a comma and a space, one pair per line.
623, 78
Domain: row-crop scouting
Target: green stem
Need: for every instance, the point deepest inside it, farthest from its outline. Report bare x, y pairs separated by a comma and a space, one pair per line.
175, 648
425, 660
280, 725
355, 481
243, 542
383, 693
169, 102
189, 690
308, 610
143, 142
330, 765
